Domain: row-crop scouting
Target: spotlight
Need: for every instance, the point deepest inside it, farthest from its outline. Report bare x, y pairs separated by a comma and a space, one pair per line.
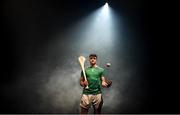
105, 9
106, 4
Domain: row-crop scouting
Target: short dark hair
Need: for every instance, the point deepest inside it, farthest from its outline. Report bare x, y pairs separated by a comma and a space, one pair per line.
93, 55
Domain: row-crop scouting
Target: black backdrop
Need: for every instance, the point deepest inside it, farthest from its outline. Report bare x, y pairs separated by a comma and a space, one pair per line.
27, 24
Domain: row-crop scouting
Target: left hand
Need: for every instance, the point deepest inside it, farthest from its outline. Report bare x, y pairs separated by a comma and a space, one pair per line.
104, 84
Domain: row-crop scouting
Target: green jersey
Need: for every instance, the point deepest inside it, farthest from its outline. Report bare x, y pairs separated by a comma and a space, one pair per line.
93, 75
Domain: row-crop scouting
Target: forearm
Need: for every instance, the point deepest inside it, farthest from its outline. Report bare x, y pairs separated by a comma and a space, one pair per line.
82, 81
104, 84
103, 79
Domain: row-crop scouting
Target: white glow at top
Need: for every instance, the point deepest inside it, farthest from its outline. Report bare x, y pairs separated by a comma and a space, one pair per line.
106, 5
105, 9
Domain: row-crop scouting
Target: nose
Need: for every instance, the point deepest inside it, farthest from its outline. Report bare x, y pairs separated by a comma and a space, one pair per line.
92, 59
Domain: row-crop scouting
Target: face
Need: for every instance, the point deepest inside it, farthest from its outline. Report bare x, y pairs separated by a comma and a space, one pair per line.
92, 60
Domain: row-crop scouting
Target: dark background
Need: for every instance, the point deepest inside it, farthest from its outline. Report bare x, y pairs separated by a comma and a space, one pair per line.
28, 24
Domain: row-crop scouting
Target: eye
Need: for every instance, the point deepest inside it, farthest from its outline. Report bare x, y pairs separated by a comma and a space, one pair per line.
93, 58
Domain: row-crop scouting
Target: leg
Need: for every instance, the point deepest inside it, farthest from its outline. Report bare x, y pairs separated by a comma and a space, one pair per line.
97, 105
98, 110
84, 111
85, 104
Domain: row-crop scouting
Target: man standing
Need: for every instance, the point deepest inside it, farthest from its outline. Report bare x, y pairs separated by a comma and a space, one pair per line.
95, 79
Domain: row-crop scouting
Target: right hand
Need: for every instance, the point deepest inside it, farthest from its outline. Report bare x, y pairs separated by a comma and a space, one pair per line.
85, 83
104, 84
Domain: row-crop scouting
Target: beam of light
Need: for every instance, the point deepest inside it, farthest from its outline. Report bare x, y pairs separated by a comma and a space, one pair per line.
99, 26
106, 9
106, 5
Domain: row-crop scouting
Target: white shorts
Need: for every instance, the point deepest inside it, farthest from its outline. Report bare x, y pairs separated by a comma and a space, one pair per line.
95, 100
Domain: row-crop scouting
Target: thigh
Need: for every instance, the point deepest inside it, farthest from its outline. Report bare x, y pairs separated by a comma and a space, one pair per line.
85, 102
98, 101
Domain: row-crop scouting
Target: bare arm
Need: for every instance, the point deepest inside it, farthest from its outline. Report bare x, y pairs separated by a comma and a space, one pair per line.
83, 83
104, 84
102, 78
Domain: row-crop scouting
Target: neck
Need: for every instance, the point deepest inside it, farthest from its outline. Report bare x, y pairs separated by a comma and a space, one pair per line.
94, 65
